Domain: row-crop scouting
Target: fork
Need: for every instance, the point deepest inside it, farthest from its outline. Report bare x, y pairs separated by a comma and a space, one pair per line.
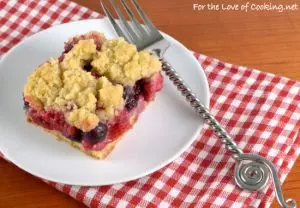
251, 170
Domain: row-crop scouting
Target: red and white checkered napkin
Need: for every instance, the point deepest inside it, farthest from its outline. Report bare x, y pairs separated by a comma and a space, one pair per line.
261, 111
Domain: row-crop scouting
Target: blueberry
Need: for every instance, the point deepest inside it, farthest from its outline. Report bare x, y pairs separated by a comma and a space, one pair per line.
129, 97
87, 67
138, 87
77, 136
26, 105
131, 104
128, 92
132, 94
70, 132
96, 135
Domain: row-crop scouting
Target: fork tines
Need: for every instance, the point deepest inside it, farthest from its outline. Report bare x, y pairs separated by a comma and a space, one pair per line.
133, 32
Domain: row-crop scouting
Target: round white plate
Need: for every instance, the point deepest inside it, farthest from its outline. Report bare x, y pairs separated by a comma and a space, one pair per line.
164, 131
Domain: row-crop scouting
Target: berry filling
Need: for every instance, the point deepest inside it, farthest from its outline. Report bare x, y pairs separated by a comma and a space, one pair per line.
135, 98
152, 85
53, 120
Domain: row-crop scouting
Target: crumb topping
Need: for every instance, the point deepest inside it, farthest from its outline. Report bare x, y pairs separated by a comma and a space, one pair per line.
82, 119
94, 35
81, 53
44, 84
110, 98
86, 100
122, 63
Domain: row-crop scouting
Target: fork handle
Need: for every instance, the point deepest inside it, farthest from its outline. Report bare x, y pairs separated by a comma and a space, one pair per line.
200, 109
251, 171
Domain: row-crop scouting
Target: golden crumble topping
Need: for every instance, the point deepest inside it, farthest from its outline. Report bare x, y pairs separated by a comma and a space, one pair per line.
98, 38
86, 100
82, 52
110, 98
122, 63
44, 84
83, 119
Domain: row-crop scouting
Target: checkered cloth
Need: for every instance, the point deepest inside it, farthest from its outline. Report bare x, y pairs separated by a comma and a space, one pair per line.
260, 110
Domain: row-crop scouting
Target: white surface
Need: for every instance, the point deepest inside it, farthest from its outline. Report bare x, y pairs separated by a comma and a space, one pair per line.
162, 133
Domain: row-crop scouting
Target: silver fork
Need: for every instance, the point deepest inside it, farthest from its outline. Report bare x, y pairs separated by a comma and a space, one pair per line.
251, 171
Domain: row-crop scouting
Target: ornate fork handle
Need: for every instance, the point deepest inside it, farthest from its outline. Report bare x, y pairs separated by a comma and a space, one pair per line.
201, 110
251, 171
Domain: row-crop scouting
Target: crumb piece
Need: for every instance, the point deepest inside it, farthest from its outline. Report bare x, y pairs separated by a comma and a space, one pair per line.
122, 63
44, 84
110, 98
83, 119
82, 52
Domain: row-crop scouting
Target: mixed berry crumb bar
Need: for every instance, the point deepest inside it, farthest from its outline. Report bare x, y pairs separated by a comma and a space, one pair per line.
93, 93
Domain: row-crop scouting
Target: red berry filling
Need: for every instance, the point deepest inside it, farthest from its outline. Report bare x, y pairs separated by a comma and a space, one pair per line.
135, 101
53, 120
153, 85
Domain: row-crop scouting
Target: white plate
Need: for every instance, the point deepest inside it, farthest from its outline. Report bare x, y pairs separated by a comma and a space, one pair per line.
164, 131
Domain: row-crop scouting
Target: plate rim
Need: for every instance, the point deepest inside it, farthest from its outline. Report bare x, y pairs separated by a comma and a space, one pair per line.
136, 176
